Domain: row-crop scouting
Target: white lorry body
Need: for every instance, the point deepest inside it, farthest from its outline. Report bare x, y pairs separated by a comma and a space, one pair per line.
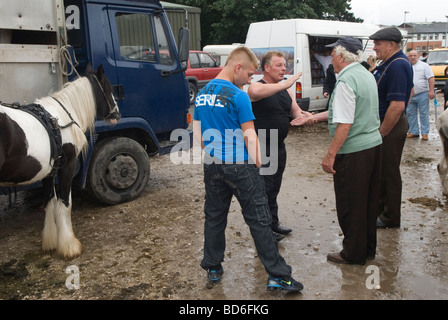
298, 38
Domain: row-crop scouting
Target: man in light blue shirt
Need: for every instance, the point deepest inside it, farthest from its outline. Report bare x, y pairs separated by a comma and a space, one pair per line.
424, 82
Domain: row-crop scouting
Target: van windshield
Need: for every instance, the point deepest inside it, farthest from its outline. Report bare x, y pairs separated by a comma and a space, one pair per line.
437, 58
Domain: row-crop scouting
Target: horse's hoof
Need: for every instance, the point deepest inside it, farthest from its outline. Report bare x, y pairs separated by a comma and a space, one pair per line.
70, 252
48, 248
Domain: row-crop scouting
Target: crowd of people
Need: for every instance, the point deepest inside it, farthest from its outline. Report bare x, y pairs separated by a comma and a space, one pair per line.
372, 109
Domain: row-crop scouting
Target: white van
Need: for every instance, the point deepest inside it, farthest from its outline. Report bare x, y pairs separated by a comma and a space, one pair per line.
298, 38
221, 51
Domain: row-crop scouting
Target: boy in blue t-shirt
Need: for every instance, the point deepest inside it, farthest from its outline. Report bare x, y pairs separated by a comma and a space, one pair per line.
223, 123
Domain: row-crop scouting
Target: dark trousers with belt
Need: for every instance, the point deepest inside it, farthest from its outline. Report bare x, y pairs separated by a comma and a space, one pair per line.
391, 184
357, 190
273, 182
222, 181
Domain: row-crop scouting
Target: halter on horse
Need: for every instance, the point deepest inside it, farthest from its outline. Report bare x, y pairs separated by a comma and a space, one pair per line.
27, 149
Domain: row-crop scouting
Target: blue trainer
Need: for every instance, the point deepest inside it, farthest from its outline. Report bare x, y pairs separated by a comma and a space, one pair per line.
214, 274
278, 284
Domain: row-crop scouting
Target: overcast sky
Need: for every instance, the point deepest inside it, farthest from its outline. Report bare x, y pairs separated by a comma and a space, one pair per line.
391, 12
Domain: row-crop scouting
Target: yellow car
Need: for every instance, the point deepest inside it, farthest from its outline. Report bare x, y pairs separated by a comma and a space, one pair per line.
438, 60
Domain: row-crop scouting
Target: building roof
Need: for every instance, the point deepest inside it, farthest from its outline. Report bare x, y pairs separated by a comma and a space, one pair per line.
425, 27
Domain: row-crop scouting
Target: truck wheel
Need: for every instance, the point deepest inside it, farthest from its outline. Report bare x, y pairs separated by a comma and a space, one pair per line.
119, 170
193, 89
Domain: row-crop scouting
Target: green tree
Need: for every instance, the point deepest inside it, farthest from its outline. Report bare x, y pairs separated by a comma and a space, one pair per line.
227, 21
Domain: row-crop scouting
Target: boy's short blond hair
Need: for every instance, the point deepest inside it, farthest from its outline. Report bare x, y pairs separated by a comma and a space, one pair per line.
242, 55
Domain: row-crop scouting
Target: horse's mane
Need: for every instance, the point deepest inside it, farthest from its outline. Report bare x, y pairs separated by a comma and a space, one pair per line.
78, 98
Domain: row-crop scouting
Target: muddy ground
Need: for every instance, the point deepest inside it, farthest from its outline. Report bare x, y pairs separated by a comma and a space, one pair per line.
151, 248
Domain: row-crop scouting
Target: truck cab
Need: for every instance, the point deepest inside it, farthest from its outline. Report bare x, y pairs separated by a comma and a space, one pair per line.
133, 41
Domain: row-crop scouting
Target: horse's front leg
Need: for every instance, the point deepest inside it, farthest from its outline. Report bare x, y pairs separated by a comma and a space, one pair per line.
442, 169
68, 245
49, 234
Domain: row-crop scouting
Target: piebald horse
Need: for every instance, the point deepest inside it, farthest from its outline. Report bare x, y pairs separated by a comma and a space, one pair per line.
442, 167
27, 150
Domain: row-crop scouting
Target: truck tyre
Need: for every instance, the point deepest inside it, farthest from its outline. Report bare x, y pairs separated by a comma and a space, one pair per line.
119, 170
193, 89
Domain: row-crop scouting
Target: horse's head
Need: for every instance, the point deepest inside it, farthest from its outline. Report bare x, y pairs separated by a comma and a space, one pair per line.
106, 105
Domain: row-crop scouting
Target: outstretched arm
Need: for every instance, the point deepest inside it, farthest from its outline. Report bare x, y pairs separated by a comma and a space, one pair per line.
258, 90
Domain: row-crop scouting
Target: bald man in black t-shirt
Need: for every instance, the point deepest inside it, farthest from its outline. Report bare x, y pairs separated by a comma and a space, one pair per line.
273, 106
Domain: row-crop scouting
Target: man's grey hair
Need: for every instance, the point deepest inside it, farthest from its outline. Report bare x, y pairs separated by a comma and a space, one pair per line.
349, 57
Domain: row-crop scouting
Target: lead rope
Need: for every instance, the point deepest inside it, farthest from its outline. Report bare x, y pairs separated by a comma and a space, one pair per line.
66, 59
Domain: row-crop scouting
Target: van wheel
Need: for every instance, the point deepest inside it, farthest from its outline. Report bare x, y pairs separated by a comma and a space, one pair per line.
193, 89
119, 170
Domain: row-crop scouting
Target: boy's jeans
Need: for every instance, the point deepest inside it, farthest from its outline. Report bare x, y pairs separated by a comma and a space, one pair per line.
222, 181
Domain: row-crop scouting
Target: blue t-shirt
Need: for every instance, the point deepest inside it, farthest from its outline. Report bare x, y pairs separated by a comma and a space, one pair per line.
222, 107
395, 81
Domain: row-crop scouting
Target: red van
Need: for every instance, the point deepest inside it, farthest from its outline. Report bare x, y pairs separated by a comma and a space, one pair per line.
201, 69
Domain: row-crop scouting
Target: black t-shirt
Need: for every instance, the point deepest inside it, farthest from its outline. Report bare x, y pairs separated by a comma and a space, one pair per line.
273, 113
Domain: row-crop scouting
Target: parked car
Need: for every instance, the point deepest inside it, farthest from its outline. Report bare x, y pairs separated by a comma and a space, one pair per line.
438, 60
201, 69
220, 52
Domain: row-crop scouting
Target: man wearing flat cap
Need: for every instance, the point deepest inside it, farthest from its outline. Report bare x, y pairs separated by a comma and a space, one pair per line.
354, 155
394, 77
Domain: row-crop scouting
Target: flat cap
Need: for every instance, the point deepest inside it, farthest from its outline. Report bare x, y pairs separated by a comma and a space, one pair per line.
350, 44
390, 34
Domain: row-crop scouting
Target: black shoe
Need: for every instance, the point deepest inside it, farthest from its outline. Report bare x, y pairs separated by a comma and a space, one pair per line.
278, 237
381, 225
279, 229
214, 274
278, 284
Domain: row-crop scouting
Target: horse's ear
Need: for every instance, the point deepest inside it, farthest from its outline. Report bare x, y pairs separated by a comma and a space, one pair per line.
89, 69
100, 72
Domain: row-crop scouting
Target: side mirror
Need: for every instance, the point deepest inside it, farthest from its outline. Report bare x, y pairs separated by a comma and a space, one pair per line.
184, 44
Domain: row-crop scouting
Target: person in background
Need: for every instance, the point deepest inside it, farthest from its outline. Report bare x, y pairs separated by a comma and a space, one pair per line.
394, 79
223, 124
274, 105
424, 56
372, 61
330, 81
354, 155
418, 107
323, 59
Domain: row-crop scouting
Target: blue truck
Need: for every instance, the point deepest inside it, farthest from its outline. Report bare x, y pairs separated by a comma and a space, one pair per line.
134, 43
